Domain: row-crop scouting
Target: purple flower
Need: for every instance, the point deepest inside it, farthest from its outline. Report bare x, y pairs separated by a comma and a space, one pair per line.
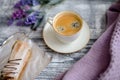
38, 22
34, 17
30, 19
29, 2
26, 2
10, 21
18, 5
18, 14
35, 2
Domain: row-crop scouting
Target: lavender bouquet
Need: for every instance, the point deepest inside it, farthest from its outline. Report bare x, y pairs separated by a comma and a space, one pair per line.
25, 15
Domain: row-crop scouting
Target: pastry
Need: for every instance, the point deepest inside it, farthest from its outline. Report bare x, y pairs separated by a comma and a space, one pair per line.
20, 55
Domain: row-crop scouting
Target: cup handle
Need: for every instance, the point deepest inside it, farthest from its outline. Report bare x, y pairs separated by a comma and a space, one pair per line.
50, 21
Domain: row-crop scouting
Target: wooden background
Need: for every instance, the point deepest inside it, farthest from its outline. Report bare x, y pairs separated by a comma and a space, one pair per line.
92, 11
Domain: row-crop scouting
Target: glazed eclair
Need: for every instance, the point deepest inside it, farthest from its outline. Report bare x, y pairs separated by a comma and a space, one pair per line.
20, 55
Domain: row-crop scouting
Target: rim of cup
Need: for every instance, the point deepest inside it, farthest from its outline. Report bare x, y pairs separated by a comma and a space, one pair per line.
74, 13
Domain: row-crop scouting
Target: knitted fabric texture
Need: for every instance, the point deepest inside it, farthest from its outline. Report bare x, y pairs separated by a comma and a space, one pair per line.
102, 61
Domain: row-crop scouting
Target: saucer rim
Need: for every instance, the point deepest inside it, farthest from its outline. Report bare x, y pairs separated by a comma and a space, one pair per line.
61, 42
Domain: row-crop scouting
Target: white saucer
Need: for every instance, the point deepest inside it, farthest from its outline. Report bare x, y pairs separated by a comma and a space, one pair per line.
56, 45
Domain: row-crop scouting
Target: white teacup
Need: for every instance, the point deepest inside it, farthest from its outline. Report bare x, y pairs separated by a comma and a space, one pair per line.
67, 26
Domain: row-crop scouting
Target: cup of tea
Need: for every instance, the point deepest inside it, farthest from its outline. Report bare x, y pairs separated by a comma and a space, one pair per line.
67, 26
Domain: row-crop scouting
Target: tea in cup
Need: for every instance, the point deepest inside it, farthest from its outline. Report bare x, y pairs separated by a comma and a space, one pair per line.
67, 26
